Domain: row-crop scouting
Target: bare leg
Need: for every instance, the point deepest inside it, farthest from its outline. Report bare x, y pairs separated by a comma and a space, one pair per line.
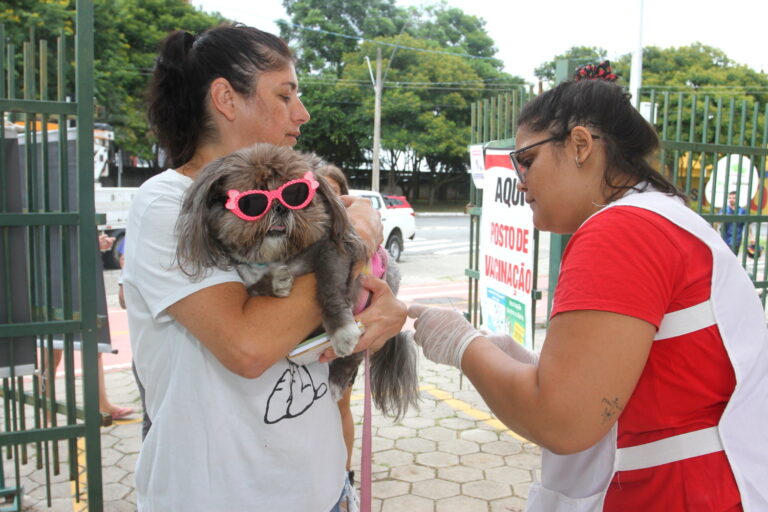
49, 373
347, 423
105, 406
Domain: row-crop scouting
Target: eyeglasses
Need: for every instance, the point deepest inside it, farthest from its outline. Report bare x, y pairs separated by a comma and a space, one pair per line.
520, 169
253, 204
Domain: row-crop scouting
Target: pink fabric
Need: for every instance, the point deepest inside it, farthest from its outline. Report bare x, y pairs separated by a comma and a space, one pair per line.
377, 266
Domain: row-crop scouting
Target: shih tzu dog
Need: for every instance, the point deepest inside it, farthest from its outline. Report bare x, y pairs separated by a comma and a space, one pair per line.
262, 211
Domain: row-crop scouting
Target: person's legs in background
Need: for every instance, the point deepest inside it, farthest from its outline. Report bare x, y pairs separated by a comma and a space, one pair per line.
348, 428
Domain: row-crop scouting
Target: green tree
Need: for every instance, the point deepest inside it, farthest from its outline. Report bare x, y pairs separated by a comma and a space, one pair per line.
128, 33
126, 37
700, 95
677, 75
698, 67
322, 31
429, 82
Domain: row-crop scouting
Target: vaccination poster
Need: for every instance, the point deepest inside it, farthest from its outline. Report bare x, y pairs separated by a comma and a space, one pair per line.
506, 252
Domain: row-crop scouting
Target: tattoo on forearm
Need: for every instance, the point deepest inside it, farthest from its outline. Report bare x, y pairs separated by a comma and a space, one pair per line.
612, 408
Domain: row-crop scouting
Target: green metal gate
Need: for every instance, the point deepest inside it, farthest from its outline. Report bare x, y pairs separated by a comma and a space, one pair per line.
48, 264
697, 131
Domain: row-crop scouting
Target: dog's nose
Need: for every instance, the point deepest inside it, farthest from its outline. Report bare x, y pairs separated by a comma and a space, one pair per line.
279, 208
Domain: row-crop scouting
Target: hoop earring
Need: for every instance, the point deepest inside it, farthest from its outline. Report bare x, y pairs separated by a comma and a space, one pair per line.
578, 163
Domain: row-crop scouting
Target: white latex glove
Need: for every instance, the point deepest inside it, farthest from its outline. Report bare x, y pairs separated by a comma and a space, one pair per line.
443, 334
513, 348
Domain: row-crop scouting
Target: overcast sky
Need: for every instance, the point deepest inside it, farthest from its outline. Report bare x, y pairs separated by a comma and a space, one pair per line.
528, 33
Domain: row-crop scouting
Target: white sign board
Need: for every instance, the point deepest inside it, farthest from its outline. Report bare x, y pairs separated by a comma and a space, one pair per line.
477, 164
734, 173
506, 252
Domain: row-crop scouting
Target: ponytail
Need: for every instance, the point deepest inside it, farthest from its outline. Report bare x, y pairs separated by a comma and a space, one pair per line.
186, 66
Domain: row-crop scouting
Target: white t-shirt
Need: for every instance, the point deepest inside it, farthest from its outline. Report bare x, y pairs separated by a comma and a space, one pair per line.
218, 442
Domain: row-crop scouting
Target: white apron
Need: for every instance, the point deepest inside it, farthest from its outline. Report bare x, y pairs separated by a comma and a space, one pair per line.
579, 482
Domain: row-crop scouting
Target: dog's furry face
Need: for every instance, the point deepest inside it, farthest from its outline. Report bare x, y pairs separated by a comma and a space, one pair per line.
211, 235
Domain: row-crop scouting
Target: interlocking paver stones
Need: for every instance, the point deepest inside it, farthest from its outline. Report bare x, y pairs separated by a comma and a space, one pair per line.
417, 422
457, 423
412, 473
524, 460
437, 433
409, 503
115, 491
378, 444
458, 447
508, 446
479, 435
393, 458
396, 432
522, 489
110, 456
487, 490
508, 475
389, 488
416, 445
437, 459
460, 474
461, 504
113, 473
512, 504
482, 460
128, 462
436, 489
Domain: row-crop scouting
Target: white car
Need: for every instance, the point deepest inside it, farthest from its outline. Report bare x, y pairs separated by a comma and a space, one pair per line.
399, 223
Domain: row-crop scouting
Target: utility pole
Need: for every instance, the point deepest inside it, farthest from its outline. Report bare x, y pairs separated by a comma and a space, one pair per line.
377, 124
636, 78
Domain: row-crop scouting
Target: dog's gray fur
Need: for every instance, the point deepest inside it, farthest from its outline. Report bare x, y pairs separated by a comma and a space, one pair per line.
269, 252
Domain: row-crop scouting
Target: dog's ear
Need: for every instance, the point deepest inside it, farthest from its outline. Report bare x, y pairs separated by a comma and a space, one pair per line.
197, 247
335, 208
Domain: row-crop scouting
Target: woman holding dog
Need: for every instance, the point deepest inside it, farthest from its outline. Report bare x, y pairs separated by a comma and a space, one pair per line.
649, 392
235, 426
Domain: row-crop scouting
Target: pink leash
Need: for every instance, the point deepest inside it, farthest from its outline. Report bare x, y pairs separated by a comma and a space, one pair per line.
365, 462
378, 266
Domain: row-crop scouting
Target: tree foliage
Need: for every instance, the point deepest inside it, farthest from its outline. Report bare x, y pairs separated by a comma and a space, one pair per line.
318, 27
126, 37
698, 85
429, 83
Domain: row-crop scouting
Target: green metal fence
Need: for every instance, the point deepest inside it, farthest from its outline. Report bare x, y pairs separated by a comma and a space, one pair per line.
703, 138
712, 145
48, 264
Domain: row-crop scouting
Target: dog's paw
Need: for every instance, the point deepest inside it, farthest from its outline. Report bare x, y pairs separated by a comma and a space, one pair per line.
282, 281
345, 339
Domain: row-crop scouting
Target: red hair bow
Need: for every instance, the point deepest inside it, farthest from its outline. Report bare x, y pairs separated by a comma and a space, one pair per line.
600, 71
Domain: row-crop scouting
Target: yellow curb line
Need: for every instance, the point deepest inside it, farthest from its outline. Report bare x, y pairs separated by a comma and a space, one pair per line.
464, 407
82, 478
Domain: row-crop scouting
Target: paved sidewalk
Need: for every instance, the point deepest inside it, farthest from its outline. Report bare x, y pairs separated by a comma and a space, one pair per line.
450, 456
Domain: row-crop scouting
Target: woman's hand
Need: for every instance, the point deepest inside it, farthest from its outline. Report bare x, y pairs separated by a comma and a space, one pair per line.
365, 220
105, 242
443, 334
381, 320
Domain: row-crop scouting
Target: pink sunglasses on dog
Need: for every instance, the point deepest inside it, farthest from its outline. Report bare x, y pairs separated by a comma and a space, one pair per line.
253, 204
